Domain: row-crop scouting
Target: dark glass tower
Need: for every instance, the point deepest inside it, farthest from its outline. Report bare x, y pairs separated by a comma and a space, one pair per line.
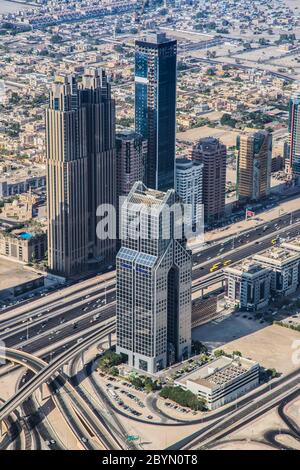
294, 130
155, 106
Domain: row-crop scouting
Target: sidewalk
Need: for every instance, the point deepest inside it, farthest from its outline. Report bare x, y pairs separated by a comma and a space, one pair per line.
283, 208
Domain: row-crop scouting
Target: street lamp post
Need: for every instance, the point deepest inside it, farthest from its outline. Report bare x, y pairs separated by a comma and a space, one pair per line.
27, 328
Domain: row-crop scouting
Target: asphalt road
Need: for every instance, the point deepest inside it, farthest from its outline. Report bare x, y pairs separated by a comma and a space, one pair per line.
60, 320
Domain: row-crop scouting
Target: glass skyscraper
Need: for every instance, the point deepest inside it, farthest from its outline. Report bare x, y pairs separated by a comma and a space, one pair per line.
294, 129
155, 106
154, 272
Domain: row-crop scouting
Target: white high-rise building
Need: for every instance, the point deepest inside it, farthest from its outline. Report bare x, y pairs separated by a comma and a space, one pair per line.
189, 186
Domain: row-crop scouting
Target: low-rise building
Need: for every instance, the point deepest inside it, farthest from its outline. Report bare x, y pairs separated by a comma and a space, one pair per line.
23, 246
248, 285
21, 209
284, 264
17, 184
222, 380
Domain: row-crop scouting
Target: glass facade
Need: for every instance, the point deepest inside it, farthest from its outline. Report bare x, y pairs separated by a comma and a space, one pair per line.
153, 284
294, 129
155, 107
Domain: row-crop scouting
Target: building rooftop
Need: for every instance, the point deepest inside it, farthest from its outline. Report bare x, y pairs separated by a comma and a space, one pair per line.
127, 134
209, 144
183, 163
219, 372
157, 38
19, 174
247, 266
140, 194
277, 254
293, 244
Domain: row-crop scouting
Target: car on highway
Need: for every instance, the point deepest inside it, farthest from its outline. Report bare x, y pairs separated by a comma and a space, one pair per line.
215, 267
227, 262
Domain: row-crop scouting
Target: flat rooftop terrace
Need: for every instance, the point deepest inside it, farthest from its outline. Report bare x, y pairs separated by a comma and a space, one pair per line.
218, 372
277, 254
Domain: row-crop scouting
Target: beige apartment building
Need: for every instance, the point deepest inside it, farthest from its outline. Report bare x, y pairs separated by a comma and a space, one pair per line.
212, 154
23, 246
254, 165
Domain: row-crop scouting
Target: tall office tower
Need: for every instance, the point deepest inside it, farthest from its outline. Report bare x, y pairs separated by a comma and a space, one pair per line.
294, 130
254, 165
67, 178
131, 159
212, 153
153, 282
155, 106
189, 186
99, 107
81, 173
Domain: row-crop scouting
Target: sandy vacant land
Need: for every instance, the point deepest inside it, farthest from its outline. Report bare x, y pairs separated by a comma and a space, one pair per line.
227, 136
242, 445
293, 411
13, 273
271, 346
251, 436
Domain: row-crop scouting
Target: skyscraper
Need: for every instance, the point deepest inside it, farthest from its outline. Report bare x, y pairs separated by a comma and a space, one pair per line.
81, 170
294, 130
189, 186
155, 106
153, 282
99, 108
254, 165
131, 159
212, 153
67, 179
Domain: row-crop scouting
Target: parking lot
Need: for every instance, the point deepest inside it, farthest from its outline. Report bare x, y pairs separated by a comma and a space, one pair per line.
125, 397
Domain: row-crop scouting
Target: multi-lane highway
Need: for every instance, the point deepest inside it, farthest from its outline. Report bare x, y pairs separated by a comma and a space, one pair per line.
245, 244
57, 326
62, 320
45, 373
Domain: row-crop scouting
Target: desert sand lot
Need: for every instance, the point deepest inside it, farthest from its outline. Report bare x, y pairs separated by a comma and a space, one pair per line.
228, 137
293, 410
253, 436
242, 445
13, 273
272, 346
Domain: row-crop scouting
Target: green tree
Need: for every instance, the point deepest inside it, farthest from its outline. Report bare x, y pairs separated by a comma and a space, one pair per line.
237, 353
109, 360
183, 398
219, 353
199, 348
114, 371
